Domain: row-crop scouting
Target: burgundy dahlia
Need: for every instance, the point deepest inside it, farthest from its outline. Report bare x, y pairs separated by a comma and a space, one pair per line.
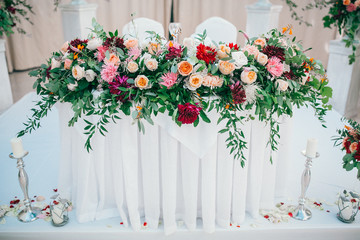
290, 75
347, 146
357, 154
273, 51
11, 9
114, 88
173, 53
188, 113
114, 42
75, 43
205, 53
238, 93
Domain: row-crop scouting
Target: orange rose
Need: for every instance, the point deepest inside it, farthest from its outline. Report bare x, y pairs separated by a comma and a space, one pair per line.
226, 67
223, 51
113, 59
131, 43
195, 81
260, 41
346, 2
184, 68
142, 82
132, 66
248, 77
353, 147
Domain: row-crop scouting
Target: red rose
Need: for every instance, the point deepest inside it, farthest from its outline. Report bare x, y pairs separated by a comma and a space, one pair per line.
188, 113
205, 53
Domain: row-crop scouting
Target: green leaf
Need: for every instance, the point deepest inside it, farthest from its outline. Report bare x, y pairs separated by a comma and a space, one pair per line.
204, 117
196, 122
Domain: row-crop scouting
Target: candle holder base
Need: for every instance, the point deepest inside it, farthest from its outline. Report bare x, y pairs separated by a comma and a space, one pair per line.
302, 213
29, 214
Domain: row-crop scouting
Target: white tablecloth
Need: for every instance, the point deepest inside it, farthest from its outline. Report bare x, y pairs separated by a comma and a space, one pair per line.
169, 173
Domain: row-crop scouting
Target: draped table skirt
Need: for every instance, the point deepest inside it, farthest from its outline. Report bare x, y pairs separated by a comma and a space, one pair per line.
170, 173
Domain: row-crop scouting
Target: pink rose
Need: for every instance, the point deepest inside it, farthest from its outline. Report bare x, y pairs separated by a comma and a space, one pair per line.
67, 63
351, 7
275, 67
251, 49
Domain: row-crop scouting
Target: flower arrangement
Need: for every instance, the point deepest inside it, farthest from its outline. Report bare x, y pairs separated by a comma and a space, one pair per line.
343, 14
349, 139
10, 10
107, 74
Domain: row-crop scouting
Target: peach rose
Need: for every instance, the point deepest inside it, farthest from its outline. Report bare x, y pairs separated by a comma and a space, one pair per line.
223, 51
195, 81
67, 63
132, 66
153, 48
142, 82
251, 50
78, 72
151, 64
260, 42
262, 59
131, 43
113, 59
184, 68
357, 3
64, 47
353, 147
346, 2
212, 81
248, 77
226, 67
282, 85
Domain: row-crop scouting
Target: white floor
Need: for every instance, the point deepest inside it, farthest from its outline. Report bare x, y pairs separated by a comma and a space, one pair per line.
328, 179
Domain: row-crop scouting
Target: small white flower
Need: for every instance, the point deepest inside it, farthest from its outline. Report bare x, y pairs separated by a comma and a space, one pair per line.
72, 86
55, 63
78, 72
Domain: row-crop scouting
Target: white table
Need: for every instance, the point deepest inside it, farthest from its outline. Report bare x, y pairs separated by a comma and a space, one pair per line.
42, 167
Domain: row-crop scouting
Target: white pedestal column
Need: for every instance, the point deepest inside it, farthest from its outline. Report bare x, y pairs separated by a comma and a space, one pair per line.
6, 99
77, 17
261, 17
344, 79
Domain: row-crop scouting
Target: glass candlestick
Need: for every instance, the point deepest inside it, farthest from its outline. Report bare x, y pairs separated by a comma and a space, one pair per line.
28, 214
175, 30
301, 212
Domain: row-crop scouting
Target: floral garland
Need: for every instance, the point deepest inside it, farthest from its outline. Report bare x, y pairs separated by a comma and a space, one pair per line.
10, 10
106, 74
343, 14
349, 139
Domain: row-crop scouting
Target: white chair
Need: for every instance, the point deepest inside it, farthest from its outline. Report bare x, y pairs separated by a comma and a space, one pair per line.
138, 27
218, 30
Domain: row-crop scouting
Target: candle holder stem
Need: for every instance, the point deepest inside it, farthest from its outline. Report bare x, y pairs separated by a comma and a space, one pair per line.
29, 213
301, 212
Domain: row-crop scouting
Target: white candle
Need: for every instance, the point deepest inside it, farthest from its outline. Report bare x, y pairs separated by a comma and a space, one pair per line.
311, 147
17, 147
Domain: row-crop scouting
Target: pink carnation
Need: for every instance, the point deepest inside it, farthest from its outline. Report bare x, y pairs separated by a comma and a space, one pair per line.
169, 79
275, 67
108, 72
351, 7
100, 54
134, 53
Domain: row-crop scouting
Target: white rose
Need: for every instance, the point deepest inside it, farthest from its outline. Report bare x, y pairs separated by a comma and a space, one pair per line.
151, 64
240, 59
146, 56
94, 43
55, 63
72, 86
90, 75
262, 59
78, 72
189, 42
282, 85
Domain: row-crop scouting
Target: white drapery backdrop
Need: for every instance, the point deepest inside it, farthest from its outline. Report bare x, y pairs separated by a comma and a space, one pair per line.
46, 35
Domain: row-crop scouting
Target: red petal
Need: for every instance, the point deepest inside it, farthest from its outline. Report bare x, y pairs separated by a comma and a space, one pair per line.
145, 224
230, 224
327, 211
282, 203
238, 226
55, 190
32, 200
121, 223
290, 214
11, 206
266, 216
